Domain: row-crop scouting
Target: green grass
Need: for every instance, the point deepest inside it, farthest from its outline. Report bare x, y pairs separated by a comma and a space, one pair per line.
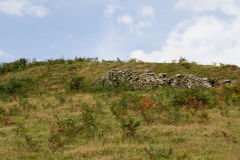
52, 110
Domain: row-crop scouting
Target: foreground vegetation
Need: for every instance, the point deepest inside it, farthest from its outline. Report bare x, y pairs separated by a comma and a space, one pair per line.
52, 110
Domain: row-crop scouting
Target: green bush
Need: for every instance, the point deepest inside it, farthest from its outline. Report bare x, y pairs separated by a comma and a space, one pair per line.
16, 66
123, 110
3, 113
62, 130
231, 94
191, 98
16, 87
78, 84
67, 125
129, 126
88, 118
56, 141
158, 153
55, 61
120, 107
174, 115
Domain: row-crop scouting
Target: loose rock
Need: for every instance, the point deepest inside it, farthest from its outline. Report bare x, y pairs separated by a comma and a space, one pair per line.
150, 80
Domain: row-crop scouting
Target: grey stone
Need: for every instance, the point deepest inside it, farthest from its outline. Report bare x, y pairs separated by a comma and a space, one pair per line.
149, 80
226, 81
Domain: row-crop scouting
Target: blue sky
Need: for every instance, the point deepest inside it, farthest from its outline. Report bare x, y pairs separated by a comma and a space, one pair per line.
204, 31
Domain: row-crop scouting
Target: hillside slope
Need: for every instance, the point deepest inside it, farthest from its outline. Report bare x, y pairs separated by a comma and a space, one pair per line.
52, 110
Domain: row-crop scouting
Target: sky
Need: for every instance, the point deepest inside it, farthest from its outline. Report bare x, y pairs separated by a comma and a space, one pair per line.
203, 31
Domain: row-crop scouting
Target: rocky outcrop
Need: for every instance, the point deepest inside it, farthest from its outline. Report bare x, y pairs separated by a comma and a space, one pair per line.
150, 80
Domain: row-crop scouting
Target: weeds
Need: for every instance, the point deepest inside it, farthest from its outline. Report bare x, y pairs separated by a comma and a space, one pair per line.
66, 127
203, 117
123, 110
120, 107
76, 83
129, 126
62, 130
229, 138
61, 98
88, 118
145, 105
174, 116
231, 94
158, 153
56, 141
178, 140
26, 139
25, 105
191, 98
2, 113
14, 110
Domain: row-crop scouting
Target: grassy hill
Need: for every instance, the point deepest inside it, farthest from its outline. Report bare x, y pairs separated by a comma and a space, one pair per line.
52, 110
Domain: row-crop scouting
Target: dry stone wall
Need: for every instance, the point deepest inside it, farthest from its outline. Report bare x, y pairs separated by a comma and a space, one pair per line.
150, 80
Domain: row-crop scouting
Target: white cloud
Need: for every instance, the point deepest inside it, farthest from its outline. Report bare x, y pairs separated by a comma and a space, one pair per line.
111, 9
143, 24
22, 7
205, 39
37, 11
143, 20
4, 57
126, 19
13, 7
147, 11
230, 7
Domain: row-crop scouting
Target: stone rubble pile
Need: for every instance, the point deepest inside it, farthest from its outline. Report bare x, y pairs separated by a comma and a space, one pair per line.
150, 80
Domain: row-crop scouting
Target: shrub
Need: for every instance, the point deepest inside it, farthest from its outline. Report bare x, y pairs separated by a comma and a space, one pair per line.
231, 94
157, 153
16, 87
203, 117
190, 98
61, 98
62, 130
55, 61
122, 111
2, 111
24, 104
178, 140
15, 66
67, 125
120, 107
145, 106
129, 126
116, 87
77, 84
69, 61
14, 111
174, 115
28, 142
56, 141
132, 60
88, 118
